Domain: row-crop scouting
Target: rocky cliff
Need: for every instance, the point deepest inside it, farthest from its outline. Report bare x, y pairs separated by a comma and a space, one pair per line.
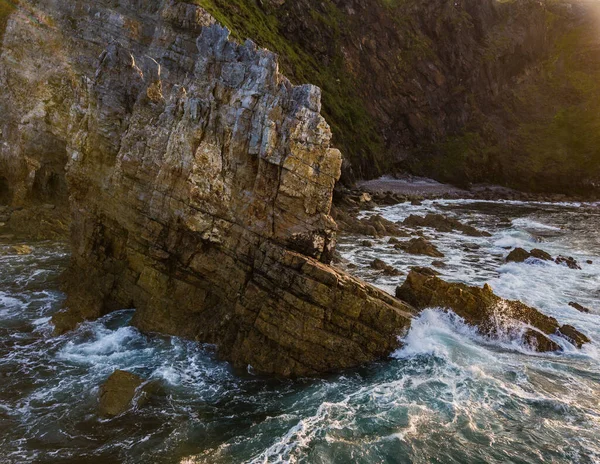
199, 181
502, 91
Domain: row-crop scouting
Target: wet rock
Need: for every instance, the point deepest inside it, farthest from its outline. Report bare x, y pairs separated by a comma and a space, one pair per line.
480, 307
443, 224
537, 341
373, 225
568, 261
440, 264
393, 241
589, 261
518, 255
22, 249
578, 307
420, 246
573, 335
540, 254
117, 393
366, 243
388, 270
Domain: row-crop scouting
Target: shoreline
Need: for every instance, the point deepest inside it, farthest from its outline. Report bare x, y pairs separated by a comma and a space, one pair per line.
389, 190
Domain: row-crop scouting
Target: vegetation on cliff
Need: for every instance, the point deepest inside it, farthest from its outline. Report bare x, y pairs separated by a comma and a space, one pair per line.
498, 91
6, 8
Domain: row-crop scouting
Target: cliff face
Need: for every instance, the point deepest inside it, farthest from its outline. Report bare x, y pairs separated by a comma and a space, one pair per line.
199, 182
464, 91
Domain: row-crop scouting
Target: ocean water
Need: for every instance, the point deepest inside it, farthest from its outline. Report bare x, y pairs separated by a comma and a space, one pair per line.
449, 395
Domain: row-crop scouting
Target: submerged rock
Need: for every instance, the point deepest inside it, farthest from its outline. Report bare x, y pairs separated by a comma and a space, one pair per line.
443, 224
118, 392
480, 307
420, 246
578, 307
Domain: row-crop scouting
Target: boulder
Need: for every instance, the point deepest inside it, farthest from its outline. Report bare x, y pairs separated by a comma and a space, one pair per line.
443, 224
540, 254
420, 246
518, 255
117, 393
483, 309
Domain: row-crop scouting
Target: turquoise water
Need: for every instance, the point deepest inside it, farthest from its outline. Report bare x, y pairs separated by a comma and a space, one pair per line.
449, 395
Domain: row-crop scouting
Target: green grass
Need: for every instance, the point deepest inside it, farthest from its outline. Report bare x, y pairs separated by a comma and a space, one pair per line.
6, 8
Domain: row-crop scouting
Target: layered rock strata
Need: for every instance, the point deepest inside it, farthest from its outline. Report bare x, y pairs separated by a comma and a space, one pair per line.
200, 184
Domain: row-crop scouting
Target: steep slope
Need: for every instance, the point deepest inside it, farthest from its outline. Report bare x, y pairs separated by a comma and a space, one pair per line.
444, 87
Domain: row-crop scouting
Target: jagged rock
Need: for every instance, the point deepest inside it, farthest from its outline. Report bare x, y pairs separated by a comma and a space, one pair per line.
199, 182
374, 225
118, 392
388, 270
579, 307
443, 224
568, 261
420, 246
480, 307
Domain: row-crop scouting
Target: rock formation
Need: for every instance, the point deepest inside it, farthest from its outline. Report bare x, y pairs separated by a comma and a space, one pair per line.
200, 183
443, 224
118, 392
481, 308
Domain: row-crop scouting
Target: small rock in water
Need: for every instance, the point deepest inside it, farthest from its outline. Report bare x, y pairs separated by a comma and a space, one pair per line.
589, 261
518, 255
366, 243
576, 337
118, 392
420, 246
568, 261
579, 307
381, 265
22, 249
440, 264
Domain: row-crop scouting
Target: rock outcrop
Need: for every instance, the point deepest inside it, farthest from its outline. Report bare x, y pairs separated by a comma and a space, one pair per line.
200, 183
480, 307
443, 224
419, 246
519, 255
